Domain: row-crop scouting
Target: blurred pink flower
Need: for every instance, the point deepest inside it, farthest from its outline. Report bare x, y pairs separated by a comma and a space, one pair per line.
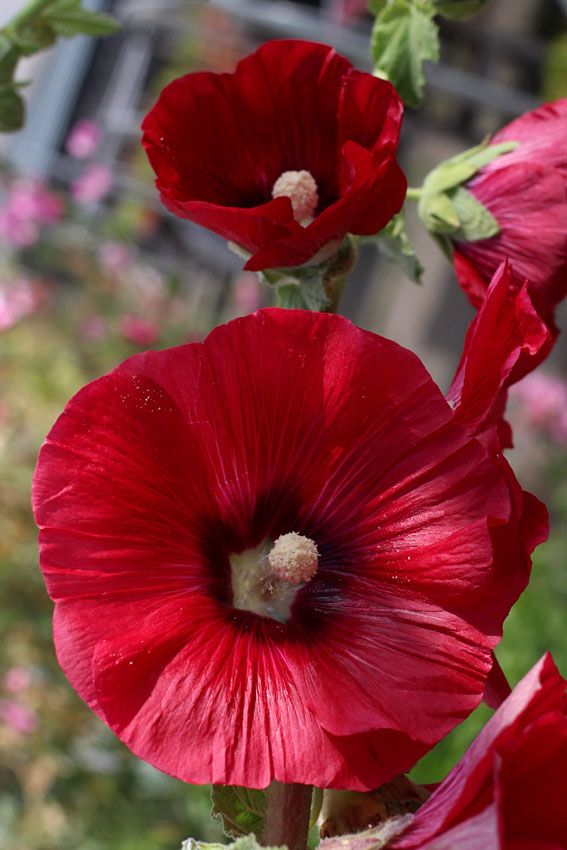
247, 295
19, 298
18, 717
542, 400
17, 679
93, 184
83, 139
94, 328
28, 205
140, 331
343, 12
114, 258
17, 232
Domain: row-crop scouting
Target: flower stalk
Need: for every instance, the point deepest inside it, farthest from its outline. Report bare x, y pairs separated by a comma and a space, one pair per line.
288, 810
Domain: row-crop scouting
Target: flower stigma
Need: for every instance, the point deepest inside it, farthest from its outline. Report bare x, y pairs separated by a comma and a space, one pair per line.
300, 187
265, 580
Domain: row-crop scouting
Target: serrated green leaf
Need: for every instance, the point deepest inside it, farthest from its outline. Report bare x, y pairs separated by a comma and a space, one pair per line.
405, 36
241, 810
67, 18
12, 109
246, 842
476, 222
393, 242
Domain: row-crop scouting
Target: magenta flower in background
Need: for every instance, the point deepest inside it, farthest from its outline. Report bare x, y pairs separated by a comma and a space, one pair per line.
140, 331
84, 139
29, 205
17, 679
94, 328
18, 717
542, 402
93, 184
246, 294
19, 298
114, 258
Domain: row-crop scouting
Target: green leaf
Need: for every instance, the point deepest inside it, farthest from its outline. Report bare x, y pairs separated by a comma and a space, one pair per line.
34, 36
8, 59
246, 842
476, 222
375, 6
241, 810
67, 18
405, 36
12, 109
393, 242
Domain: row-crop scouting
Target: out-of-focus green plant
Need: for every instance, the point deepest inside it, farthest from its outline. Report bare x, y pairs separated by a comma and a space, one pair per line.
555, 69
35, 28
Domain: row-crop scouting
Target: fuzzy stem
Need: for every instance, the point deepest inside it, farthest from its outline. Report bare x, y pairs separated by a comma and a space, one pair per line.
288, 807
413, 194
28, 13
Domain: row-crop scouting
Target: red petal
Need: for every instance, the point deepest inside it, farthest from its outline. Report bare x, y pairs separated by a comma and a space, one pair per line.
505, 341
497, 688
469, 787
285, 420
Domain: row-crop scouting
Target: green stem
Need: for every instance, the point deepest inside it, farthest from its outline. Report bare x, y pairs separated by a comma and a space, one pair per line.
288, 807
413, 194
31, 11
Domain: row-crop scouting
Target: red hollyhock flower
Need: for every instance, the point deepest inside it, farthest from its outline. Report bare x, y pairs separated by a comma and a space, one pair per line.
508, 790
284, 157
526, 192
272, 551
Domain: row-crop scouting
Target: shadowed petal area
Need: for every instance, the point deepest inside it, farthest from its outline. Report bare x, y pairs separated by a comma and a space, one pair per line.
286, 421
219, 142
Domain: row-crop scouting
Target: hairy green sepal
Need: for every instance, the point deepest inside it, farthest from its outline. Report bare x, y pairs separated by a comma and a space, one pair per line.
447, 208
246, 842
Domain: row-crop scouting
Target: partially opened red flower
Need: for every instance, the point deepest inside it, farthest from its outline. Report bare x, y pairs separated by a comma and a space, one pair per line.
526, 192
278, 554
284, 157
508, 790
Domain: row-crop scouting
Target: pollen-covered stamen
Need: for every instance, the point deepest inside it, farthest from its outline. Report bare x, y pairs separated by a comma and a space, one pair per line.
300, 187
294, 558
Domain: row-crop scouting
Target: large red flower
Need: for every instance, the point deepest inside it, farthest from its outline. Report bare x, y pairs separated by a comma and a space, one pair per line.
508, 790
163, 486
526, 192
219, 144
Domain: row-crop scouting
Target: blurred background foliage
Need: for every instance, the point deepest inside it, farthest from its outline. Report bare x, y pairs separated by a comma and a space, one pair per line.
93, 270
